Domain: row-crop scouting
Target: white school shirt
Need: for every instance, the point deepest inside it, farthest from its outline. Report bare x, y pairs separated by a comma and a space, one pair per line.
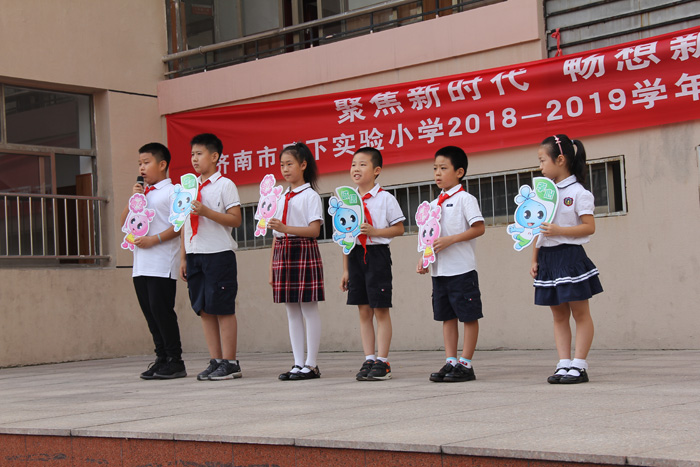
220, 195
162, 259
385, 212
459, 213
574, 202
304, 208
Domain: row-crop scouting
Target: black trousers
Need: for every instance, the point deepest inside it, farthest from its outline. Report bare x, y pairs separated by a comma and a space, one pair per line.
156, 295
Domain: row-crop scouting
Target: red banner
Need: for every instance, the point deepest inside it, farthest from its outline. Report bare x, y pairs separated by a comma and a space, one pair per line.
643, 83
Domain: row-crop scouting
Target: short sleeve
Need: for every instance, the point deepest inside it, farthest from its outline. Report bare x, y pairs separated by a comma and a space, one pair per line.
394, 214
585, 203
471, 210
230, 196
314, 208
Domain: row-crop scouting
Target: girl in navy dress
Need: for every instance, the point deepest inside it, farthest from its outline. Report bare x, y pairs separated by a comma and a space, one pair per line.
296, 269
564, 276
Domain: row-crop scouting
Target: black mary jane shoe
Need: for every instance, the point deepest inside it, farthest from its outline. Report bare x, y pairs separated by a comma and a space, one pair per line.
571, 379
555, 378
313, 374
285, 376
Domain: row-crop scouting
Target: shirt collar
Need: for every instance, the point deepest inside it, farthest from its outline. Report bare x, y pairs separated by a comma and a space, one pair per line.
570, 180
213, 178
299, 188
162, 183
454, 189
375, 189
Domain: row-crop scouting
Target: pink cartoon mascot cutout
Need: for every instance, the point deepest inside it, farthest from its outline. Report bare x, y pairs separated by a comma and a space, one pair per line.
137, 221
267, 206
428, 222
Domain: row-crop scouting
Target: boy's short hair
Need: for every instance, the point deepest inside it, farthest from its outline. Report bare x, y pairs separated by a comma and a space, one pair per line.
457, 157
209, 141
374, 154
157, 150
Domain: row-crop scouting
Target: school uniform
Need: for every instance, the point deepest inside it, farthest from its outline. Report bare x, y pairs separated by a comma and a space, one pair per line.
564, 271
155, 273
369, 272
456, 291
212, 274
297, 269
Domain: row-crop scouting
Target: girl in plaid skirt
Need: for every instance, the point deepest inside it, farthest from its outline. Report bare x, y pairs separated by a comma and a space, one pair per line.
296, 270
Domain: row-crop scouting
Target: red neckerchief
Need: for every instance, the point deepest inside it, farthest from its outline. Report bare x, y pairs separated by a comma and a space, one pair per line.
288, 196
368, 218
148, 190
444, 196
194, 218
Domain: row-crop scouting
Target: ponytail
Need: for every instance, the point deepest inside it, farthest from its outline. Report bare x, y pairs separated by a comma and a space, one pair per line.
578, 166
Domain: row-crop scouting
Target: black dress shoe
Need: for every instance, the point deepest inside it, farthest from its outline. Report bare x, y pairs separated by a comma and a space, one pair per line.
571, 379
285, 376
459, 373
439, 377
313, 374
555, 378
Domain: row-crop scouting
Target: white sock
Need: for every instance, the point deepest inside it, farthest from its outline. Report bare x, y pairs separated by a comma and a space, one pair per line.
578, 363
370, 357
465, 361
563, 366
382, 359
296, 332
452, 361
313, 331
294, 370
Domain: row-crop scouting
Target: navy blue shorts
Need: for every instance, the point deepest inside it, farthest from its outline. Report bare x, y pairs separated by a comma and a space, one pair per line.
457, 297
369, 283
212, 281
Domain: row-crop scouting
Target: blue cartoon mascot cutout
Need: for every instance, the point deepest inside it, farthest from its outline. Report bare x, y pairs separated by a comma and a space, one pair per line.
183, 195
535, 206
346, 210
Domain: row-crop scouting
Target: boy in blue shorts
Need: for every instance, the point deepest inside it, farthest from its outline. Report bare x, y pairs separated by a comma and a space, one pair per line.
155, 267
456, 295
367, 269
208, 261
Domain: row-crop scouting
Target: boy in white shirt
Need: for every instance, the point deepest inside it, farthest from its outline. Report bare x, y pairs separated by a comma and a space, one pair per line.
367, 269
456, 295
156, 265
208, 261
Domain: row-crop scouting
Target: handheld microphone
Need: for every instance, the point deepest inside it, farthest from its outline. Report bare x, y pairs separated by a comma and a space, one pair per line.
139, 180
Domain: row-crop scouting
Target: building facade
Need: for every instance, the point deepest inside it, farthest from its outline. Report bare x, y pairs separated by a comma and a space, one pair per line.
81, 95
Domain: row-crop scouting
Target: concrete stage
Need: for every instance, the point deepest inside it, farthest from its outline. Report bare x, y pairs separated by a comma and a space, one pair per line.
640, 408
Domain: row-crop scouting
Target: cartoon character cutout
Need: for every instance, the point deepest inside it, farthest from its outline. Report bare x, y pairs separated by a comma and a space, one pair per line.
535, 206
347, 212
428, 222
184, 194
137, 221
270, 200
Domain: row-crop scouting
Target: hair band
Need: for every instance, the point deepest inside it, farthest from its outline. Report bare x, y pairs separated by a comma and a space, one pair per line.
556, 140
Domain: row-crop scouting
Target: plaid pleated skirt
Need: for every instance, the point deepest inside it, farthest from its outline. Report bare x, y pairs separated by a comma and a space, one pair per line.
297, 270
565, 274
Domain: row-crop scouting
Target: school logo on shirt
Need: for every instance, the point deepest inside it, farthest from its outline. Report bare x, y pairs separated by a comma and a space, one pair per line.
568, 201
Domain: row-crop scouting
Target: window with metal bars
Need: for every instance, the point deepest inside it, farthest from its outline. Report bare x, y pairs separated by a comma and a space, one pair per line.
495, 192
